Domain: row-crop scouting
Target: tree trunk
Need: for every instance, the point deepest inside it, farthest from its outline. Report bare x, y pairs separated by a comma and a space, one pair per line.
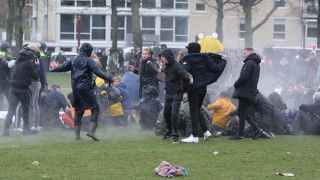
10, 21
248, 37
318, 33
114, 24
219, 20
19, 23
136, 28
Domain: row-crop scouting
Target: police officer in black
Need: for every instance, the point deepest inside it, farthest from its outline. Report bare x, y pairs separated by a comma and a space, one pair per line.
83, 87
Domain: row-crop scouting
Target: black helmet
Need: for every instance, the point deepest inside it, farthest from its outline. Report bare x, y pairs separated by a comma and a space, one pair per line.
43, 46
4, 45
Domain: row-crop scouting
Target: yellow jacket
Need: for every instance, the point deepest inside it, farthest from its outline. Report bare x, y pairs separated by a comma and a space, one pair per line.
222, 109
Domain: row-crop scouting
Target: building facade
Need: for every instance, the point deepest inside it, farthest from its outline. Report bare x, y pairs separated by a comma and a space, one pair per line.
171, 22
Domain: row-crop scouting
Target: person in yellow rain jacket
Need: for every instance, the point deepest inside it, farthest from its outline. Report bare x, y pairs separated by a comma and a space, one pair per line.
222, 109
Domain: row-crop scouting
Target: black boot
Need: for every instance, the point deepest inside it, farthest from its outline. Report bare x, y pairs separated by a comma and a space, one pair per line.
92, 130
77, 132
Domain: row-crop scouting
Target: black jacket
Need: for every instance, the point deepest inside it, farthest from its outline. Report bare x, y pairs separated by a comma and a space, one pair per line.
82, 69
24, 70
175, 74
247, 84
148, 74
204, 68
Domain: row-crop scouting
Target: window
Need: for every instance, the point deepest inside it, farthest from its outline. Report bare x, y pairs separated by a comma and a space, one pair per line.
167, 31
98, 3
148, 25
91, 27
85, 27
167, 4
174, 29
181, 29
98, 27
84, 3
124, 3
67, 2
149, 4
280, 3
200, 6
181, 4
279, 29
312, 30
67, 30
171, 4
242, 31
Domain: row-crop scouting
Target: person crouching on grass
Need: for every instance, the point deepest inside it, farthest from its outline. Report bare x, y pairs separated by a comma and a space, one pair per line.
175, 75
83, 89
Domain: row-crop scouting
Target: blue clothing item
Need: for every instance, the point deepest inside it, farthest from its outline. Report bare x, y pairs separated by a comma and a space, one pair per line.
131, 81
55, 100
126, 101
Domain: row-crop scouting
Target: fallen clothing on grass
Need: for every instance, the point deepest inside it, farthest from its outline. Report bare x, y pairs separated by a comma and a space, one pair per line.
165, 169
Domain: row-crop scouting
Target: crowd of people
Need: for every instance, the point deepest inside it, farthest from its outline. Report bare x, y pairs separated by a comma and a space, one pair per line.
186, 93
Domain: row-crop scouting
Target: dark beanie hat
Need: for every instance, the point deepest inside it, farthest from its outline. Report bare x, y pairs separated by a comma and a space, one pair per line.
194, 47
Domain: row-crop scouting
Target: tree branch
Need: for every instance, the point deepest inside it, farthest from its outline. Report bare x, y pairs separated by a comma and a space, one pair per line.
265, 19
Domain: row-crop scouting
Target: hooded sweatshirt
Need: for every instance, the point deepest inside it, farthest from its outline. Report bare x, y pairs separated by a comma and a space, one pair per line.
25, 70
175, 74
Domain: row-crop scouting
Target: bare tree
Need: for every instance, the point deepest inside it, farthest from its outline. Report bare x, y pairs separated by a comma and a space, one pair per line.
136, 27
114, 24
219, 6
15, 22
19, 23
10, 21
318, 25
247, 7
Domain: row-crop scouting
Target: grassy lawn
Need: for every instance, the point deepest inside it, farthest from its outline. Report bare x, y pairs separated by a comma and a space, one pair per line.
131, 154
62, 79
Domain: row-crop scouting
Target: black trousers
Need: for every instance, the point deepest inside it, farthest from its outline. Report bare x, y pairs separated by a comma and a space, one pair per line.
16, 96
196, 97
246, 112
84, 99
171, 113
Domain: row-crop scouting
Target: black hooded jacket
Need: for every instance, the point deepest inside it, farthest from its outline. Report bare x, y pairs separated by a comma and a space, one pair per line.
247, 84
24, 70
82, 69
176, 75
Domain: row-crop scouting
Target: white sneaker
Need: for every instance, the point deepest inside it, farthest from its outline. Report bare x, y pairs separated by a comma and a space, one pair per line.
190, 139
206, 135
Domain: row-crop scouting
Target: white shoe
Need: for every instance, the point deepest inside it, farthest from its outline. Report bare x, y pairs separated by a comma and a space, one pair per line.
206, 135
190, 139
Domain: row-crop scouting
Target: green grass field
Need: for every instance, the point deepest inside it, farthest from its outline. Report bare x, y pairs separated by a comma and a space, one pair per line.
129, 154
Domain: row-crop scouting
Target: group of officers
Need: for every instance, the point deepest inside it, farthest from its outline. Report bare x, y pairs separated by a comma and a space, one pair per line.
191, 75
